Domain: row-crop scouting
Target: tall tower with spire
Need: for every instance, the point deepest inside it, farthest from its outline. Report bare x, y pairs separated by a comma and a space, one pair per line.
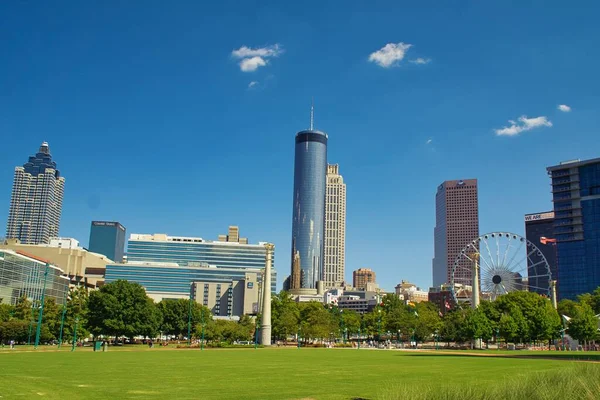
308, 223
36, 200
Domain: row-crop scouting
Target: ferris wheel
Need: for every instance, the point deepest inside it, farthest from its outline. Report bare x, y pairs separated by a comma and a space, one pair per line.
502, 263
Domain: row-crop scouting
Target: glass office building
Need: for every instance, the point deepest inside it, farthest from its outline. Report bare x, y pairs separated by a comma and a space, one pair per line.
36, 199
108, 238
538, 226
186, 251
576, 197
24, 276
310, 169
173, 281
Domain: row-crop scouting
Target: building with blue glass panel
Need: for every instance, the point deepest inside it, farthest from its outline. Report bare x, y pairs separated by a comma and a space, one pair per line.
194, 251
169, 280
36, 199
108, 238
308, 221
576, 197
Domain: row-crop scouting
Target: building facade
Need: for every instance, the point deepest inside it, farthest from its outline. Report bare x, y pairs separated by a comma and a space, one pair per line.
308, 221
187, 251
362, 277
171, 281
576, 197
23, 276
335, 229
409, 292
108, 238
539, 228
229, 297
456, 224
36, 200
78, 264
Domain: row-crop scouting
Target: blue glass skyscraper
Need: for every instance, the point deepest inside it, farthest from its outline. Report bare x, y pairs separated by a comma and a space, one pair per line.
108, 238
576, 197
310, 170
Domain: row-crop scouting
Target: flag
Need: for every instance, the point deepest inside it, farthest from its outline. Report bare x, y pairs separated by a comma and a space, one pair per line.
566, 318
440, 313
447, 305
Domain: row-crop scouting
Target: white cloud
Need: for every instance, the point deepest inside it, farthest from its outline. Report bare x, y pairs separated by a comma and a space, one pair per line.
564, 108
248, 52
252, 59
390, 54
252, 64
420, 60
429, 141
524, 124
252, 84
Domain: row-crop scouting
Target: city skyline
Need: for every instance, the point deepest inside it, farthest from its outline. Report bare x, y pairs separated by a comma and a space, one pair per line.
125, 111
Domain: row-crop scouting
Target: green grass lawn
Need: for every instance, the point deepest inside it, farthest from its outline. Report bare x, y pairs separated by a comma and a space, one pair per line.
140, 373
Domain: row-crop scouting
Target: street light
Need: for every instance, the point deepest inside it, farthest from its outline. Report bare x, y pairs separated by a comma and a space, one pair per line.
379, 326
62, 320
38, 331
75, 334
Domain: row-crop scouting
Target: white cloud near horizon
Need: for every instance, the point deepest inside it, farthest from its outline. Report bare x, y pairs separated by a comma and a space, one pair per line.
420, 61
390, 54
564, 108
252, 59
523, 124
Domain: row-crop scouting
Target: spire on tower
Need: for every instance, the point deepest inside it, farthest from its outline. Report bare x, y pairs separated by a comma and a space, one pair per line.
312, 113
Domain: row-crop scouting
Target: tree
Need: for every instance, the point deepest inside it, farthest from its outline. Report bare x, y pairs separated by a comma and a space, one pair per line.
317, 322
566, 307
592, 299
51, 317
122, 308
352, 321
175, 316
23, 309
477, 325
583, 325
77, 307
285, 315
427, 322
453, 326
6, 312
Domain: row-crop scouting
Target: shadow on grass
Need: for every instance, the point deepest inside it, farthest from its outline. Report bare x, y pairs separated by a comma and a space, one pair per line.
568, 356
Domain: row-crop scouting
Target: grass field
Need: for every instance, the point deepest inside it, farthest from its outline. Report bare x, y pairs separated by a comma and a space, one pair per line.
140, 373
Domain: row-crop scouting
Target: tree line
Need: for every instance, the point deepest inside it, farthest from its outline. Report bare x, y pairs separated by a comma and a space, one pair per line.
122, 309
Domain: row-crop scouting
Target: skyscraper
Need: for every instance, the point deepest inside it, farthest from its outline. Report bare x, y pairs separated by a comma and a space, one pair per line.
36, 201
537, 227
456, 224
576, 197
335, 228
310, 167
108, 238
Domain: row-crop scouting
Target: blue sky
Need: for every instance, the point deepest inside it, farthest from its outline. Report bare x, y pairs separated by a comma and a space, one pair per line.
152, 122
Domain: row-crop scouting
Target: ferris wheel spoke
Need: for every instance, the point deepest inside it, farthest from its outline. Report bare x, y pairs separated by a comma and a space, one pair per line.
498, 250
489, 252
514, 255
539, 276
524, 258
482, 258
538, 287
506, 251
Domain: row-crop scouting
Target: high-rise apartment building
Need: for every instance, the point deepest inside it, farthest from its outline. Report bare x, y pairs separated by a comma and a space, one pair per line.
308, 222
539, 228
335, 229
456, 224
108, 238
36, 200
361, 277
576, 197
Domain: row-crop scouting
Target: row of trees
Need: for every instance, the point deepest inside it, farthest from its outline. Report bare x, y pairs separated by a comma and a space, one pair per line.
518, 317
118, 309
122, 309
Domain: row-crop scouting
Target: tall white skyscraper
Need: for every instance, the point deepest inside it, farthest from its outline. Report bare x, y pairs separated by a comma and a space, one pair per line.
335, 228
36, 201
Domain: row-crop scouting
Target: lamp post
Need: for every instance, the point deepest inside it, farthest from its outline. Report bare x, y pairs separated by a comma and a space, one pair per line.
437, 340
256, 333
62, 320
75, 334
38, 331
497, 338
379, 326
189, 335
30, 323
400, 337
202, 326
298, 337
343, 327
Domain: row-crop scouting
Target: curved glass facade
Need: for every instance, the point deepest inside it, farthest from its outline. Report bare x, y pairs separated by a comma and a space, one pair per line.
310, 169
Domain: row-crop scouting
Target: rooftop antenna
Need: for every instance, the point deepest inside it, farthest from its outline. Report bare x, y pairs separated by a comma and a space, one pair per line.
312, 113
